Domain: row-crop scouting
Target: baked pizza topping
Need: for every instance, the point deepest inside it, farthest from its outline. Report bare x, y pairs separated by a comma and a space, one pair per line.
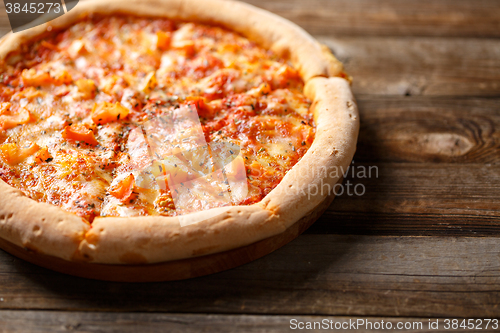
116, 115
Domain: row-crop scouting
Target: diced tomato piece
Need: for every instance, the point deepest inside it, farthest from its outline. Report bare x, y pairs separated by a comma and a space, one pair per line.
162, 40
33, 77
187, 47
4, 107
12, 154
79, 133
43, 155
62, 77
124, 190
106, 112
86, 87
10, 121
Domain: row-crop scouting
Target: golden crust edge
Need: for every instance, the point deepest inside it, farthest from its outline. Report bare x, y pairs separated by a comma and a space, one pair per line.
38, 226
156, 239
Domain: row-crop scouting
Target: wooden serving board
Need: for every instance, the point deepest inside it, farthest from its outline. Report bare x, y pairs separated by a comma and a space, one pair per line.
171, 270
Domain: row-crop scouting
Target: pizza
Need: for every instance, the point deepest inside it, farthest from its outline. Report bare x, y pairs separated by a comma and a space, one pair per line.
140, 132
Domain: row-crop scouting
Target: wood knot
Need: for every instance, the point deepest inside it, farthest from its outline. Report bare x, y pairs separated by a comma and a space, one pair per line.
438, 144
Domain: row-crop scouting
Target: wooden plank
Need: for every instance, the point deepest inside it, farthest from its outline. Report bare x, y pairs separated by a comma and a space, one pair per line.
417, 199
4, 20
313, 275
420, 66
460, 18
429, 130
54, 321
438, 169
457, 18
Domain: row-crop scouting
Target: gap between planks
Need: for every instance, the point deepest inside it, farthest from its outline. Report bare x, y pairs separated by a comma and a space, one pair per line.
419, 199
415, 66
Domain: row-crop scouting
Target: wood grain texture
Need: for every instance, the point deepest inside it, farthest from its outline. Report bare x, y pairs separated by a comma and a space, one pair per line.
420, 66
446, 18
418, 199
435, 169
4, 20
450, 18
429, 130
313, 275
124, 322
432, 131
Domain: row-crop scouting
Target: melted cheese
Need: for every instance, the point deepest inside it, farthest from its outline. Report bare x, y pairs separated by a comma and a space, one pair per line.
124, 116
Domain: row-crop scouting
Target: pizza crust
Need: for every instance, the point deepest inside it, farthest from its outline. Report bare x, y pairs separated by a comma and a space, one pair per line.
38, 226
49, 230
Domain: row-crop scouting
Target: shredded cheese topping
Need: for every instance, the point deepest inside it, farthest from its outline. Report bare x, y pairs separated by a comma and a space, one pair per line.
79, 107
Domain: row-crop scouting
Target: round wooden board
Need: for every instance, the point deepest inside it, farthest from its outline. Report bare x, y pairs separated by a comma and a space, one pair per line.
171, 270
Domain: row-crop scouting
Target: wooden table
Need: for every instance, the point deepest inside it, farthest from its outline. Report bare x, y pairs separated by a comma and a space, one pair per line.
421, 242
